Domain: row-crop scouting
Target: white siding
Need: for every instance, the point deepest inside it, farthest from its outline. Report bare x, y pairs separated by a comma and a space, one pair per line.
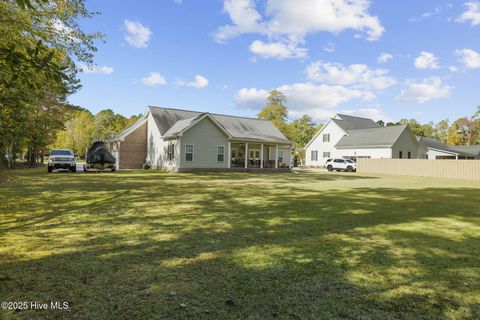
205, 137
317, 144
374, 153
406, 143
432, 154
157, 148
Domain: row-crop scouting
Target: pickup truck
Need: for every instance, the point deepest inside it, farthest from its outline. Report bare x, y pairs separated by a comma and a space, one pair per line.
62, 159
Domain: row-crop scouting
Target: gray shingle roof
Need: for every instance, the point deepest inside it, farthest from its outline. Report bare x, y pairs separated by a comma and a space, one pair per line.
354, 123
172, 121
434, 143
473, 151
371, 137
181, 125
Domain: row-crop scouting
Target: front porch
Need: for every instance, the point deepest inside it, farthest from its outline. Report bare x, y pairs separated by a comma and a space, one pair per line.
259, 156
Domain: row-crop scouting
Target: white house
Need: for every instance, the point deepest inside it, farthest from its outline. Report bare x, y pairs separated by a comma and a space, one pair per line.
437, 150
345, 136
186, 141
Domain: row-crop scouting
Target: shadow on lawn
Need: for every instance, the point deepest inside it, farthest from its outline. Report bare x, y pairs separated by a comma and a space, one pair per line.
288, 253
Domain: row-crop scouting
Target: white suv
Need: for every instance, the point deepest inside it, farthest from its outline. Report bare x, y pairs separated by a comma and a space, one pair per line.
62, 159
341, 165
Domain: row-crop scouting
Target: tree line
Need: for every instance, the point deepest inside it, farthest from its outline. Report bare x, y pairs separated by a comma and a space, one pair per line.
41, 44
463, 131
83, 127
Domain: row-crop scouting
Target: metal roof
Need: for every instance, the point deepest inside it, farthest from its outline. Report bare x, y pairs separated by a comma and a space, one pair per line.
172, 121
372, 137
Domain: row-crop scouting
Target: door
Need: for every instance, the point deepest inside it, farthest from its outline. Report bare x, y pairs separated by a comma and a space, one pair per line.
254, 157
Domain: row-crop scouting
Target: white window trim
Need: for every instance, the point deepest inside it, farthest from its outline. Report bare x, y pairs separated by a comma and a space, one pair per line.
312, 152
280, 156
193, 152
220, 145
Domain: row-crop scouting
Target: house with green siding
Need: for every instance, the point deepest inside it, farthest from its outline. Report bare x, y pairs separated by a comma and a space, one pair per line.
188, 141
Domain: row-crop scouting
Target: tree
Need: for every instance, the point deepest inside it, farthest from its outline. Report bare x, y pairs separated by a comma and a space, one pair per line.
467, 129
440, 130
413, 125
276, 111
302, 130
39, 40
381, 123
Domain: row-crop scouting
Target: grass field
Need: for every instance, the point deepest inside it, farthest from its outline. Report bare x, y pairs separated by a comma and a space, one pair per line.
149, 245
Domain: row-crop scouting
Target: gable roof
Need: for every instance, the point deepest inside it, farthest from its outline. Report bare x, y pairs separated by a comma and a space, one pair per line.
353, 123
371, 137
171, 122
121, 136
346, 123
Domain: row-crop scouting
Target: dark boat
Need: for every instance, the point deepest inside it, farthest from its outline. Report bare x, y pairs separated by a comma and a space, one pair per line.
98, 157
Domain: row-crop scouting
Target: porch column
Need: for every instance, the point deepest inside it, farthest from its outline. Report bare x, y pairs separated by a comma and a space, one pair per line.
261, 156
246, 155
290, 164
276, 156
229, 154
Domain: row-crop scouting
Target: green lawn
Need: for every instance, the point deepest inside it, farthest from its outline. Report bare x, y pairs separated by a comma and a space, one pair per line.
139, 244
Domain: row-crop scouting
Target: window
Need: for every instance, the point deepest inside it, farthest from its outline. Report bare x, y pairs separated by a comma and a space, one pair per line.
61, 153
280, 156
400, 154
220, 153
189, 152
409, 155
314, 155
339, 161
326, 137
171, 152
326, 154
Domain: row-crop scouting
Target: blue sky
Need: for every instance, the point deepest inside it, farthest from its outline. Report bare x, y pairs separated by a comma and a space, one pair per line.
381, 59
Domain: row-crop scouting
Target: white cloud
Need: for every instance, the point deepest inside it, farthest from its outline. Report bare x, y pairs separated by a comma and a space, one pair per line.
425, 90
251, 97
277, 50
137, 34
426, 60
95, 69
453, 68
245, 19
307, 96
154, 79
374, 113
330, 47
199, 82
355, 75
178, 1
472, 14
290, 22
469, 57
316, 100
384, 57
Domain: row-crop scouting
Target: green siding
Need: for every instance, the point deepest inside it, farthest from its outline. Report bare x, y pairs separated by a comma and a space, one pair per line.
205, 136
